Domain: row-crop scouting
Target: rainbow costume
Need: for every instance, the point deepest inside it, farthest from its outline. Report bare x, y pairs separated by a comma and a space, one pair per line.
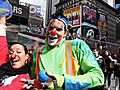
72, 63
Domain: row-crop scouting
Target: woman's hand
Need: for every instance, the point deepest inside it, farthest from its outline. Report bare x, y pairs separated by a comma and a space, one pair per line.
3, 19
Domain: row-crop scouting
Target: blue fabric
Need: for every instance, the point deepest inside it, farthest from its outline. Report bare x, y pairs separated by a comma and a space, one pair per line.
76, 85
5, 8
61, 17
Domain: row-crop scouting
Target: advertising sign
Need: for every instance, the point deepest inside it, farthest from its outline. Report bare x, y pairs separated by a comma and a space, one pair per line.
102, 21
73, 15
35, 10
89, 15
90, 32
19, 10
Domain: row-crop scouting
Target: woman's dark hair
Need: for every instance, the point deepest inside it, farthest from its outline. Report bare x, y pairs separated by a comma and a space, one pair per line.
25, 48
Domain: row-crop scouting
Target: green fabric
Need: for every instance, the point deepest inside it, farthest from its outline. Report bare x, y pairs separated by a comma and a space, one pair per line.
60, 81
52, 58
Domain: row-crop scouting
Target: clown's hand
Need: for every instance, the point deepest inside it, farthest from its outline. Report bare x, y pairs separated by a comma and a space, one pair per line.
29, 84
57, 80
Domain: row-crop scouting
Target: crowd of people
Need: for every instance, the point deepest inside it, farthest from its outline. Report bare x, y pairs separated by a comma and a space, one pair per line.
59, 64
110, 65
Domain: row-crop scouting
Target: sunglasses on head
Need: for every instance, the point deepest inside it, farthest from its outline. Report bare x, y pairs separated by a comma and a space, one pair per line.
57, 28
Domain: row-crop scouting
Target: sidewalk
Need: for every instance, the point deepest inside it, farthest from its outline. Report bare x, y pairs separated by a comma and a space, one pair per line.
113, 86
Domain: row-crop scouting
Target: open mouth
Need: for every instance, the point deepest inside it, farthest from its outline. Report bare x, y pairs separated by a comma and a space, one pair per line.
15, 61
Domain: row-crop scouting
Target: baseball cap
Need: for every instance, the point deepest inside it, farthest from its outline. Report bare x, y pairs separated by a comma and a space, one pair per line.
5, 8
60, 17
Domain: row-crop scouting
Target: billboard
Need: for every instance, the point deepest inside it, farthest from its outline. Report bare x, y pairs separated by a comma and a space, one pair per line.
102, 20
89, 15
73, 15
35, 10
89, 32
19, 10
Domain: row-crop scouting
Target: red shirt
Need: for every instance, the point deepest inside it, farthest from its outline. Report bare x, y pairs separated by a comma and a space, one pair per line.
3, 49
16, 84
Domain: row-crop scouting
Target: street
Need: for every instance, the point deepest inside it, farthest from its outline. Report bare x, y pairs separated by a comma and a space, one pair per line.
113, 86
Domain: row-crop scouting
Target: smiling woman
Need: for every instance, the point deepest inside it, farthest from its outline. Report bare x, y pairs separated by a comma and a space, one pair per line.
18, 55
15, 69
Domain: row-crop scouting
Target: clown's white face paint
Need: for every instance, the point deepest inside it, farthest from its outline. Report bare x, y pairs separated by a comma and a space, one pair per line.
55, 32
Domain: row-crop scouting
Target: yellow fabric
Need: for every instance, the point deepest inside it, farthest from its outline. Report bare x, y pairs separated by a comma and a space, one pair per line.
60, 81
72, 65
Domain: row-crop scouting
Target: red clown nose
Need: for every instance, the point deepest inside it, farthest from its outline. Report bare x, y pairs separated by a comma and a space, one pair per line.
53, 32
13, 56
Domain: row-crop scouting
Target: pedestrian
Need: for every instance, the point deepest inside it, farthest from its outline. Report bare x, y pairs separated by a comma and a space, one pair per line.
109, 67
116, 71
102, 63
70, 64
72, 32
100, 59
5, 13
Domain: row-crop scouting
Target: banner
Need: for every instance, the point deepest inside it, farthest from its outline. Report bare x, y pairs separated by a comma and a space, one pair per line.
35, 10
73, 15
89, 15
102, 21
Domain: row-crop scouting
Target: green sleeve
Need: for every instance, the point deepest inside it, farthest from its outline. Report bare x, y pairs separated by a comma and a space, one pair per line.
92, 74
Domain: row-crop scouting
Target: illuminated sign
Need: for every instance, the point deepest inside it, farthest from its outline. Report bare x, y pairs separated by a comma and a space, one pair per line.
89, 15
73, 15
102, 21
35, 10
19, 10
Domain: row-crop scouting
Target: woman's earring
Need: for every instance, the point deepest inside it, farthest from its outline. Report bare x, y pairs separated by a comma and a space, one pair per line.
26, 61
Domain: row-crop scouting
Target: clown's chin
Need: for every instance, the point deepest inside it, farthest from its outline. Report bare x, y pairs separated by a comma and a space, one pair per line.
52, 42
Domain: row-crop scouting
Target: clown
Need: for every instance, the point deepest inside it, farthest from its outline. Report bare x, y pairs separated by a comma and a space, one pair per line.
71, 65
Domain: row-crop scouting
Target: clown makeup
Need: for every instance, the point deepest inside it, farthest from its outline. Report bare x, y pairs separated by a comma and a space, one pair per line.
57, 28
17, 56
55, 32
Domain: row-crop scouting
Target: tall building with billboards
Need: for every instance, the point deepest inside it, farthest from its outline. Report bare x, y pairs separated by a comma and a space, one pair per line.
95, 19
26, 18
117, 2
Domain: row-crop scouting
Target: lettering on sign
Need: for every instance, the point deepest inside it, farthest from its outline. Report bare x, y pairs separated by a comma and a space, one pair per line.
17, 10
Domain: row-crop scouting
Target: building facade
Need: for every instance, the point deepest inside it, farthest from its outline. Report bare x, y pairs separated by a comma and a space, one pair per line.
96, 19
25, 18
118, 20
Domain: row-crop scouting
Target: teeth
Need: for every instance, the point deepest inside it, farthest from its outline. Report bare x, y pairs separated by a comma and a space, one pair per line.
15, 61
